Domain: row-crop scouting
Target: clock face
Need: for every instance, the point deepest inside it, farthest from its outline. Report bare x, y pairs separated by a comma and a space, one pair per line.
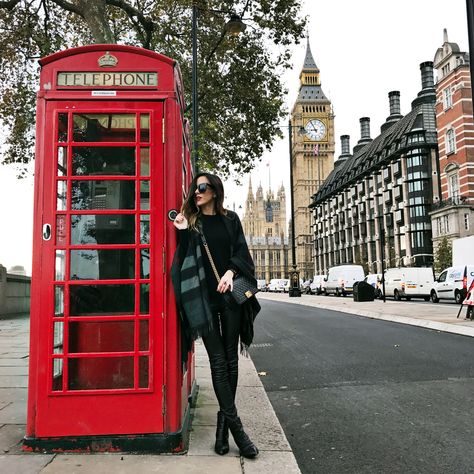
315, 130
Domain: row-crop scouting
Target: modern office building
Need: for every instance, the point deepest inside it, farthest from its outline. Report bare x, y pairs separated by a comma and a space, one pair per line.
375, 204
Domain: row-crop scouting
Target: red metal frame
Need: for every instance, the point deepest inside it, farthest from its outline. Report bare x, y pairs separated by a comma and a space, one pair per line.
160, 407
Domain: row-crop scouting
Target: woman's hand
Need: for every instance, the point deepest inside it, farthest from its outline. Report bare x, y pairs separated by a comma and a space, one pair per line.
180, 222
226, 283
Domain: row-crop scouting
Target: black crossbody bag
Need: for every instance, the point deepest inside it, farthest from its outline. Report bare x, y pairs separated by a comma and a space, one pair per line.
243, 287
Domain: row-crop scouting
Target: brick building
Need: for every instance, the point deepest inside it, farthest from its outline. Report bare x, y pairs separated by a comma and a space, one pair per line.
453, 214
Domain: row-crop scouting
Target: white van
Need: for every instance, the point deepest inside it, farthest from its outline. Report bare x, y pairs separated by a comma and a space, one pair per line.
274, 284
284, 285
341, 279
262, 285
452, 284
409, 282
317, 285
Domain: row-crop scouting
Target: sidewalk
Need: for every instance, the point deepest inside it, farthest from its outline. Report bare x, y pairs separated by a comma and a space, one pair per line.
254, 407
439, 317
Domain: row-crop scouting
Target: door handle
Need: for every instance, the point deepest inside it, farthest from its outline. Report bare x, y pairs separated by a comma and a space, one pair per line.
172, 213
46, 231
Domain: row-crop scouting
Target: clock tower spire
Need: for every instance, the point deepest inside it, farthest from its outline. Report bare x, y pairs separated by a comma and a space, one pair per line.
312, 155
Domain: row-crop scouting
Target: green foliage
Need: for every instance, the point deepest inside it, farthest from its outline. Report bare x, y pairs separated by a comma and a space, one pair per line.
240, 90
444, 255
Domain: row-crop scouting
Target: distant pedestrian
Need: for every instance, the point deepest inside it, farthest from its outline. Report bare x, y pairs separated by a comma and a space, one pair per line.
204, 310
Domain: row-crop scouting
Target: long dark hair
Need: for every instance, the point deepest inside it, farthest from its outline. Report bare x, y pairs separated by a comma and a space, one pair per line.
189, 208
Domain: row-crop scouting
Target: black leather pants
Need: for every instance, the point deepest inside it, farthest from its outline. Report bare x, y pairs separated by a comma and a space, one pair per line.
222, 345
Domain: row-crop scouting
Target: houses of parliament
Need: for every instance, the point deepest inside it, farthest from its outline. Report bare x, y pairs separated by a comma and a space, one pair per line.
265, 228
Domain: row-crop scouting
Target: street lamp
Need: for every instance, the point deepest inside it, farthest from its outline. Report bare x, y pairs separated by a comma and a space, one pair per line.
295, 289
382, 251
234, 27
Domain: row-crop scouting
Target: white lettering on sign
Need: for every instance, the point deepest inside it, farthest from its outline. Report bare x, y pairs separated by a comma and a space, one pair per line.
107, 79
104, 93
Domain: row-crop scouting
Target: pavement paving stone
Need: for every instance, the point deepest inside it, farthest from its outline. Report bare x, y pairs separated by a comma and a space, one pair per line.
24, 464
206, 415
142, 464
13, 362
10, 438
13, 394
14, 381
13, 371
206, 396
272, 461
202, 442
13, 413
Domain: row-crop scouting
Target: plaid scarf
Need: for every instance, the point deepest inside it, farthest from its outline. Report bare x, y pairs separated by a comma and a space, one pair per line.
189, 281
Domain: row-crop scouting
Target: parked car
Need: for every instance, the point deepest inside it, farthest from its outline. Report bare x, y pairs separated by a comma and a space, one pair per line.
375, 279
452, 284
262, 285
409, 282
317, 285
341, 279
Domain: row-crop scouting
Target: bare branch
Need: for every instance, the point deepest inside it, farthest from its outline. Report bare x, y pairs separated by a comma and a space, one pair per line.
70, 7
131, 12
135, 16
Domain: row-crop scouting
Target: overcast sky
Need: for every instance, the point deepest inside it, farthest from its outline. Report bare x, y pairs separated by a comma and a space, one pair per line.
363, 49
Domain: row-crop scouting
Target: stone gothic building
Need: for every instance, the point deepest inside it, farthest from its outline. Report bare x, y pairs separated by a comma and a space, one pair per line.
312, 156
265, 228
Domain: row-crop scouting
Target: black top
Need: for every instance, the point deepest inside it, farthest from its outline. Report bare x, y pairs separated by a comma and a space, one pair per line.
219, 242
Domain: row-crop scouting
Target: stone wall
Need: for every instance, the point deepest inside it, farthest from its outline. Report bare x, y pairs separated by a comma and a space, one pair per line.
14, 293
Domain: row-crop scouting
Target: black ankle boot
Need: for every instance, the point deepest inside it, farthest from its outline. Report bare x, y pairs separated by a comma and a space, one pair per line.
247, 448
222, 435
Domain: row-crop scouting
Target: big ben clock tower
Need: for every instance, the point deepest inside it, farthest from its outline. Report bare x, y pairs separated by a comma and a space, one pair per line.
312, 155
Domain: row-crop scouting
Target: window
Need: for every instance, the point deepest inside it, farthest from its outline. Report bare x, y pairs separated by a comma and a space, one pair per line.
466, 221
417, 211
453, 185
414, 186
446, 224
445, 70
447, 98
442, 277
450, 142
269, 212
440, 226
417, 239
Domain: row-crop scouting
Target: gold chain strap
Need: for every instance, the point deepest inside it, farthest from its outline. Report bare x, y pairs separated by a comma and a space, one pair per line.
214, 269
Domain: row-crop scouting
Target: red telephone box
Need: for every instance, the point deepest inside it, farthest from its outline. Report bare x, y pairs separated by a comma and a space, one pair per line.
112, 158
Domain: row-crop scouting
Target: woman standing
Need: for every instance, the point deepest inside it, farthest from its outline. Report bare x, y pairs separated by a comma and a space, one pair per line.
199, 294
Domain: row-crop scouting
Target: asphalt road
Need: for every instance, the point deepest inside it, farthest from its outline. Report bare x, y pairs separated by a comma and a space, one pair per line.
356, 395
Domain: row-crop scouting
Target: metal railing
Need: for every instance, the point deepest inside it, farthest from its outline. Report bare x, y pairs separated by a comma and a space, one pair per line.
451, 201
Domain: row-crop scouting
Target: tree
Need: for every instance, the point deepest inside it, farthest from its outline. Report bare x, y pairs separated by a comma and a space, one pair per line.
240, 88
444, 255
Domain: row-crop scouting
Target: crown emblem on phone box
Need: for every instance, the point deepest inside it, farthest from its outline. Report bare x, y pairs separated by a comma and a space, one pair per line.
107, 60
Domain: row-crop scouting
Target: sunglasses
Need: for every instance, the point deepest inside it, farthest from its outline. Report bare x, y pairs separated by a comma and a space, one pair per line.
202, 187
